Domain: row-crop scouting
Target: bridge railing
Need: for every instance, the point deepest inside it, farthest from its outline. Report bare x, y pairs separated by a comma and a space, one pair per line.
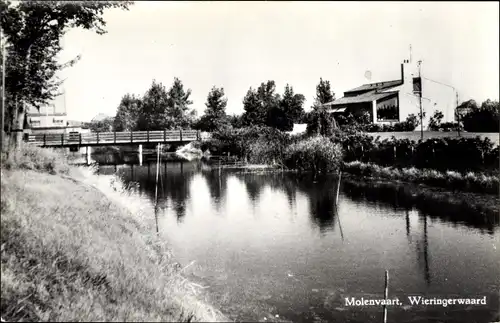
68, 139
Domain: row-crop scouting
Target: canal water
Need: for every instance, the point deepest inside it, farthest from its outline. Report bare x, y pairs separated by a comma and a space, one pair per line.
277, 247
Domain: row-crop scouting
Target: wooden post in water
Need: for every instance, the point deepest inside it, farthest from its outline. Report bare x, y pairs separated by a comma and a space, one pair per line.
140, 155
157, 173
386, 294
338, 189
337, 205
88, 151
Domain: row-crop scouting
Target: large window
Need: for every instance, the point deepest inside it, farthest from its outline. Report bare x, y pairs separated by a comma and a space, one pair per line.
388, 109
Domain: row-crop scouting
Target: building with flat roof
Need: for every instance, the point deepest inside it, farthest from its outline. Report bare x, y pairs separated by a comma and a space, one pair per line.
393, 101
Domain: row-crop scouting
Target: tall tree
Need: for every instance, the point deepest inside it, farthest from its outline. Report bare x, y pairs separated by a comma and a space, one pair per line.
33, 31
254, 111
289, 110
324, 93
293, 104
320, 121
215, 114
178, 113
260, 104
127, 114
154, 114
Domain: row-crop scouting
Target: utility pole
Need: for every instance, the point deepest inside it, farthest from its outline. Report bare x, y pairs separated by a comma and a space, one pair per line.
458, 115
2, 48
420, 102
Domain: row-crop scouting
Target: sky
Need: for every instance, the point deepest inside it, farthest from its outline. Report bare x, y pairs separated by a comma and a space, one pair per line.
238, 45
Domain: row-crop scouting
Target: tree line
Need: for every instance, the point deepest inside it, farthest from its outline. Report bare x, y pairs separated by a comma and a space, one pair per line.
263, 106
161, 109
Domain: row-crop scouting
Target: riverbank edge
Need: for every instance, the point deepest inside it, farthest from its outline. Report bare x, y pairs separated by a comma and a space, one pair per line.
25, 253
485, 204
451, 181
476, 183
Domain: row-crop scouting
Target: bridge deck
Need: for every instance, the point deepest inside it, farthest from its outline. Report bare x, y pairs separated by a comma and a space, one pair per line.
112, 138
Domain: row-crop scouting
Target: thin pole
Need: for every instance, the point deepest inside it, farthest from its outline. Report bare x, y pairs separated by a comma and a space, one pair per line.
386, 294
3, 89
420, 103
157, 173
458, 115
336, 206
338, 189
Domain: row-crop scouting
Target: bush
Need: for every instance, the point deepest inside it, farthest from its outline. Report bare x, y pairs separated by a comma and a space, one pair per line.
269, 147
458, 154
317, 154
484, 119
35, 158
321, 123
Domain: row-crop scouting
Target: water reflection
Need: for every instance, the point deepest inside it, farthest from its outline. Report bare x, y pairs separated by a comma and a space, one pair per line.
217, 185
437, 208
279, 235
320, 193
173, 182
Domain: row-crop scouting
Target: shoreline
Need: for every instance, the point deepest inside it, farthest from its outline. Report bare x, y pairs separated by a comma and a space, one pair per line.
480, 183
91, 267
426, 198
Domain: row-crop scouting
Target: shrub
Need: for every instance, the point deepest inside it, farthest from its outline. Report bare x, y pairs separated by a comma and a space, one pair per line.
435, 120
458, 154
317, 154
269, 147
321, 123
484, 119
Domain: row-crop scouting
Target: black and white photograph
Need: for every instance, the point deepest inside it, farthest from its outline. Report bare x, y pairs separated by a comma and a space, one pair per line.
250, 161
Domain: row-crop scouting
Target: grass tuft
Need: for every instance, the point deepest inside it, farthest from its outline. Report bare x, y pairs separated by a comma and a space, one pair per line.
36, 158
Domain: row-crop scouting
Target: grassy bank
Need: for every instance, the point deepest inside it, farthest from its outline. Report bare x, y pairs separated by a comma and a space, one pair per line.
470, 182
70, 254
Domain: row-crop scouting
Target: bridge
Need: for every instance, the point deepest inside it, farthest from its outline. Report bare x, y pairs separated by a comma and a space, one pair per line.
75, 140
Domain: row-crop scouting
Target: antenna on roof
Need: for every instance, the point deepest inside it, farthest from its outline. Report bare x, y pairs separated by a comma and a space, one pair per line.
410, 54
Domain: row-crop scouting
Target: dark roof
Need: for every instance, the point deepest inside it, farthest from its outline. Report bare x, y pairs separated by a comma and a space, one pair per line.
365, 97
376, 86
